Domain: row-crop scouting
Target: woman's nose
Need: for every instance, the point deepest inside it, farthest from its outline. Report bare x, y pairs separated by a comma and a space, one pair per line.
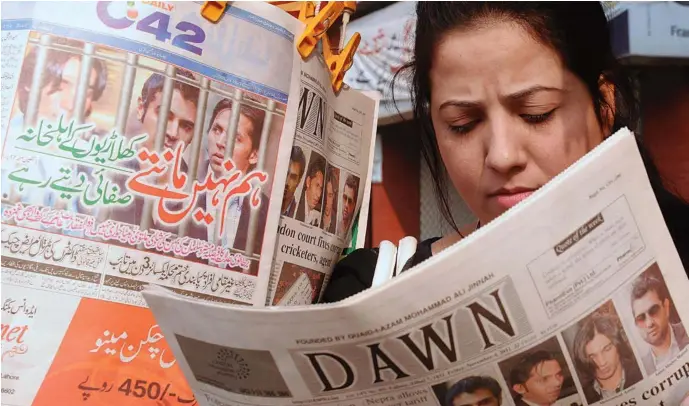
505, 153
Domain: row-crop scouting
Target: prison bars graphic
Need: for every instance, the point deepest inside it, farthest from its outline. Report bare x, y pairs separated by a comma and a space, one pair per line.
131, 64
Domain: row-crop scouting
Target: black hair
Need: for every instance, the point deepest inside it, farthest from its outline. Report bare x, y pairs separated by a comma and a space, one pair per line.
471, 384
297, 155
316, 165
255, 115
55, 64
154, 85
521, 372
645, 284
353, 183
577, 31
597, 323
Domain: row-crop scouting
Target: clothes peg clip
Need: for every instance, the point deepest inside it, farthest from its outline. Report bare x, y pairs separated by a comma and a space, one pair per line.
317, 26
339, 64
307, 11
213, 10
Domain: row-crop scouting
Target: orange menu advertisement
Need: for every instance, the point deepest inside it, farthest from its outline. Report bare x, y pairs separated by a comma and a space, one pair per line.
140, 145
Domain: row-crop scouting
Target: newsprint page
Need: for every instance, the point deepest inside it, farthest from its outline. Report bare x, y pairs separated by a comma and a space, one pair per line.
575, 297
142, 144
329, 169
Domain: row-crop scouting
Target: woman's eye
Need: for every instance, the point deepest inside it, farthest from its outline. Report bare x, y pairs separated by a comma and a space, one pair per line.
537, 118
464, 128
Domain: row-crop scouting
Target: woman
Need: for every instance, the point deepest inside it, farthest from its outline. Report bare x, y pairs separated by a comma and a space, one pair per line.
507, 96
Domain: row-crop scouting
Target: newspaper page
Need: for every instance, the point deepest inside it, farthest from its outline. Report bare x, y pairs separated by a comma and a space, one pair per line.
584, 304
325, 187
141, 144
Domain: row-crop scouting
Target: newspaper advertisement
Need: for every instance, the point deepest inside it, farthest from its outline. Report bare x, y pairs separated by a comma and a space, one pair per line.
141, 144
586, 304
324, 191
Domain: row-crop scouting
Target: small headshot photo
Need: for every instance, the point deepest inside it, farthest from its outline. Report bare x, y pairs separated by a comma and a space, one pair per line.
657, 324
295, 172
602, 356
540, 376
350, 194
475, 390
309, 210
332, 183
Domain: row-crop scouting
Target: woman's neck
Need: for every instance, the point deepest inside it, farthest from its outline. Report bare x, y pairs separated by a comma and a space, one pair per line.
452, 238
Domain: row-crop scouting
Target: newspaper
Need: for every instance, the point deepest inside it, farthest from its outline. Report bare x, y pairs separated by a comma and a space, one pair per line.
584, 304
327, 180
142, 144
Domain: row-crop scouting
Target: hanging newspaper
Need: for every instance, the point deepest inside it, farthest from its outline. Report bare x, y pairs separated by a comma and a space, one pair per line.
329, 165
142, 144
585, 305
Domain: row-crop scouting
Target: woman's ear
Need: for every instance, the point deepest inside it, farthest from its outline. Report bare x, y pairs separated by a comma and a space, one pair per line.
608, 108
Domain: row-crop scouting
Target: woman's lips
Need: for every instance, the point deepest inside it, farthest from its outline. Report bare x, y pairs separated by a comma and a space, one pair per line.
508, 200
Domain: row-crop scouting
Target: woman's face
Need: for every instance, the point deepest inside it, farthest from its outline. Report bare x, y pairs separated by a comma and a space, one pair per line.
507, 115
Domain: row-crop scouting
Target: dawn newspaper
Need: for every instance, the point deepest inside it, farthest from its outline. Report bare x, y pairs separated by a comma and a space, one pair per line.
576, 296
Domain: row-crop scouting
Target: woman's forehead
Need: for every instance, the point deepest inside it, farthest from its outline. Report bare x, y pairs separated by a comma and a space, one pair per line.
502, 56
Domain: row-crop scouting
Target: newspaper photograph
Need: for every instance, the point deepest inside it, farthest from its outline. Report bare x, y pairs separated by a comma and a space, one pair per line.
141, 144
588, 306
329, 170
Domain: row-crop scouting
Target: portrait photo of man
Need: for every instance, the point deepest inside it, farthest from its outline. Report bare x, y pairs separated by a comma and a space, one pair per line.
245, 157
309, 210
332, 182
651, 308
537, 378
602, 355
179, 129
295, 172
57, 96
59, 84
350, 193
474, 391
181, 117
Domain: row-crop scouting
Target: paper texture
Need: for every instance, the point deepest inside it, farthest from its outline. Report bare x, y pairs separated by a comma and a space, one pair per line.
546, 303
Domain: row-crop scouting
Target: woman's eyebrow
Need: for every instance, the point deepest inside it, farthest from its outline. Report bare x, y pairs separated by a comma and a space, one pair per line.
460, 103
530, 91
522, 94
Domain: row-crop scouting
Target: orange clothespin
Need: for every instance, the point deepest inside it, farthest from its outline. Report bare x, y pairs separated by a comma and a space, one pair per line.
213, 10
306, 11
338, 57
340, 62
317, 26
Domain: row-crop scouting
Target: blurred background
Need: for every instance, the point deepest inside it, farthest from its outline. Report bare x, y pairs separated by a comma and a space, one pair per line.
651, 39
